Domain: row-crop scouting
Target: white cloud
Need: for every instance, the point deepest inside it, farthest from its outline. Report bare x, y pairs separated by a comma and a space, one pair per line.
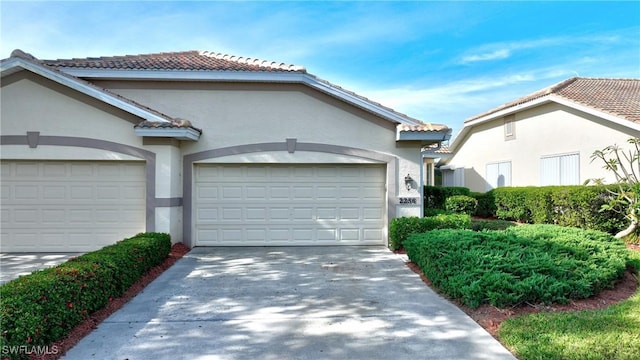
493, 55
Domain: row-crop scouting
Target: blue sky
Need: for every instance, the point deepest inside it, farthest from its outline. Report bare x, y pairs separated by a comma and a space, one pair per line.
440, 62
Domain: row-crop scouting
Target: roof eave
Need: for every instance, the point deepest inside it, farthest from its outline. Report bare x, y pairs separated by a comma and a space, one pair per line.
245, 76
536, 102
187, 134
425, 137
13, 65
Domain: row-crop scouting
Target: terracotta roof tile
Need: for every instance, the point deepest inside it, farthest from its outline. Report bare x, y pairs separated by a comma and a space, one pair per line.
28, 57
437, 149
422, 127
618, 97
177, 124
185, 60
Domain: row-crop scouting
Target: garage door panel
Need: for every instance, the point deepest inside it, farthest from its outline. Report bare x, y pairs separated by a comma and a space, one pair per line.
289, 204
70, 206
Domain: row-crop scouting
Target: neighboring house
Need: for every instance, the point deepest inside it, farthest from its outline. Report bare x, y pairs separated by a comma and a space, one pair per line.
434, 156
211, 148
546, 138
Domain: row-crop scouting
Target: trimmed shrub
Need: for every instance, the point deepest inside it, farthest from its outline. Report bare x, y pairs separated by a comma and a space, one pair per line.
486, 204
402, 227
435, 196
41, 308
574, 206
511, 203
479, 225
523, 264
461, 204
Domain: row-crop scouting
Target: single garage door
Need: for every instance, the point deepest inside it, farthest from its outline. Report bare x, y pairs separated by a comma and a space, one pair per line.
244, 205
70, 206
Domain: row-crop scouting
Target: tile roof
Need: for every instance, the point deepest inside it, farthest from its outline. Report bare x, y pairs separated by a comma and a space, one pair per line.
170, 121
436, 149
208, 61
176, 124
185, 60
618, 97
422, 127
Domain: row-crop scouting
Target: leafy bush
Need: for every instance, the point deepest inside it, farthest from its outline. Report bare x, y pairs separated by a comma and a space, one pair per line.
434, 212
523, 264
486, 204
479, 225
402, 227
461, 204
435, 196
574, 206
41, 308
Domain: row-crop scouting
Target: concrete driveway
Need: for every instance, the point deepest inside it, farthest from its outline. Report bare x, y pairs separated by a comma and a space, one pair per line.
289, 303
13, 265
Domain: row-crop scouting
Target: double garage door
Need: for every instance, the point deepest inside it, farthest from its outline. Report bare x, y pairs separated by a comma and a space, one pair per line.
271, 205
69, 206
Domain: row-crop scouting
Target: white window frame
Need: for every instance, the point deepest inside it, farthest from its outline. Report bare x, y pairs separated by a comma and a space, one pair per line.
560, 169
494, 170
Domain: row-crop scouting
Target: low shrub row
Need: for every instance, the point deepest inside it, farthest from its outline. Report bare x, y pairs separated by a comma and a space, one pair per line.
41, 308
574, 206
401, 228
523, 264
435, 196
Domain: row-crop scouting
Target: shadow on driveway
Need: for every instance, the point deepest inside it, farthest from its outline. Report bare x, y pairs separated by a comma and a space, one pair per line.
289, 303
13, 265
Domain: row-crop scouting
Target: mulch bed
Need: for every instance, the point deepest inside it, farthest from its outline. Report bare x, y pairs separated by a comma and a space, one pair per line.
83, 329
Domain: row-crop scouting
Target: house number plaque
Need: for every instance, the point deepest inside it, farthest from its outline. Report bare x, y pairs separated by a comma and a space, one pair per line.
408, 200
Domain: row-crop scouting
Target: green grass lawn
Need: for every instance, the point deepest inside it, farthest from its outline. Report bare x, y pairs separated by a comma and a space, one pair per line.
610, 333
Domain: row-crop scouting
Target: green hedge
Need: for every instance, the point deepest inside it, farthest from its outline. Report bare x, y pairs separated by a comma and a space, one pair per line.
41, 308
461, 204
401, 228
523, 264
574, 206
435, 196
486, 204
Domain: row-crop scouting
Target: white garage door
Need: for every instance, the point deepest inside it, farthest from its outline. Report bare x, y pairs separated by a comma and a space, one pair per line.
70, 206
244, 205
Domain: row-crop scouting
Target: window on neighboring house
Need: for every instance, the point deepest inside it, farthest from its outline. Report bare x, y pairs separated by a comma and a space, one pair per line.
498, 175
509, 127
560, 170
453, 177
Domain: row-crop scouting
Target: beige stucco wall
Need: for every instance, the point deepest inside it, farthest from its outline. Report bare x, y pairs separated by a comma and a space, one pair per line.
229, 114
240, 114
62, 112
549, 129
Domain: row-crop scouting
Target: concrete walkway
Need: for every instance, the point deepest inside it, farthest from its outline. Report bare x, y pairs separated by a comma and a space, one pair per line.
13, 265
289, 303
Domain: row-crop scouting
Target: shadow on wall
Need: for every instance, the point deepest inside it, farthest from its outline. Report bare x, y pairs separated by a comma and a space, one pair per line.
469, 178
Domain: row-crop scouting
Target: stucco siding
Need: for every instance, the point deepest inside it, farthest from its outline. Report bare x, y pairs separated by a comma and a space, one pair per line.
549, 129
60, 111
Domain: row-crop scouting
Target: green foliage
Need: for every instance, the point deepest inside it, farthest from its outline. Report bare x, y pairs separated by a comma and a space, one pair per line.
435, 196
625, 166
461, 204
486, 204
479, 225
41, 308
434, 212
523, 264
573, 206
402, 227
